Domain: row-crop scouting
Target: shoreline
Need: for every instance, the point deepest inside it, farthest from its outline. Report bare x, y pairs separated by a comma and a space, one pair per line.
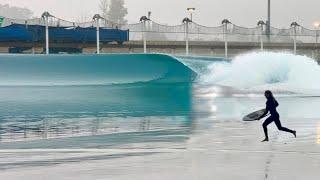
224, 147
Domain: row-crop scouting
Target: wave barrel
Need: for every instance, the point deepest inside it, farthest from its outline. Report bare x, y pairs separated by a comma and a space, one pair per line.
64, 70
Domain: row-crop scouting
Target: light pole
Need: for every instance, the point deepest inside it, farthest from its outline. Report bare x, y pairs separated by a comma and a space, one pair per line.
186, 21
268, 23
143, 20
295, 25
191, 11
225, 23
46, 16
97, 18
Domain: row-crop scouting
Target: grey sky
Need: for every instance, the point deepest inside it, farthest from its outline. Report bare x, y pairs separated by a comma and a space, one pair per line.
209, 12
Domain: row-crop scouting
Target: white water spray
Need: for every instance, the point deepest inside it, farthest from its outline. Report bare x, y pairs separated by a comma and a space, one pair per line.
267, 70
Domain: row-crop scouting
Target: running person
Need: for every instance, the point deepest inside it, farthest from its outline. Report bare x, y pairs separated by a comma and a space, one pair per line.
271, 106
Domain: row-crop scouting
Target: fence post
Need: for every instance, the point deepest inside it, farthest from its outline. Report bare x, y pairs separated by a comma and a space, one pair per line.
317, 39
261, 39
225, 23
98, 36
225, 29
143, 21
295, 25
47, 35
46, 16
261, 24
187, 39
144, 37
186, 22
97, 18
295, 41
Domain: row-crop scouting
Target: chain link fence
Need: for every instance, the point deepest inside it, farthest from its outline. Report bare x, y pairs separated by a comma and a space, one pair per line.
196, 32
147, 30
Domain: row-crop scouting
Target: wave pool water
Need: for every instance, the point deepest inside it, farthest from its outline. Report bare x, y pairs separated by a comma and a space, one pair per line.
77, 95
107, 69
78, 120
147, 96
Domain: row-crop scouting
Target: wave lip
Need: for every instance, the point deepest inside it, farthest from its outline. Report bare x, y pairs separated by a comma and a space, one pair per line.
105, 69
267, 70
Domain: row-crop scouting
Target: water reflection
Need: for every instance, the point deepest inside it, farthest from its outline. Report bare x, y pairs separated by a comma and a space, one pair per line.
33, 113
47, 128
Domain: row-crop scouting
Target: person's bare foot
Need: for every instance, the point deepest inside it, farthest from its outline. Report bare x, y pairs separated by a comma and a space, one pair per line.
265, 140
295, 134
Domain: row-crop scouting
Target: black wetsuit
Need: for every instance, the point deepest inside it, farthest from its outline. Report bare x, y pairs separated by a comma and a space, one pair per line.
271, 106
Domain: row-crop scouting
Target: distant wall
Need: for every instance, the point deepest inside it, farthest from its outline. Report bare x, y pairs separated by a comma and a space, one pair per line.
177, 48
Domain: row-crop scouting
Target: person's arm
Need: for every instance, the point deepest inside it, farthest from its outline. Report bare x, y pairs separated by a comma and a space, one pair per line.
265, 113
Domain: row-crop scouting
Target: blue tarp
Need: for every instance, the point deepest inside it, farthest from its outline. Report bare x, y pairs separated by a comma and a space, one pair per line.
15, 33
36, 33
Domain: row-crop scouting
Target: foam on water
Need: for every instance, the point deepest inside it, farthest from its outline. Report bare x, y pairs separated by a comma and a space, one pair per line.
266, 70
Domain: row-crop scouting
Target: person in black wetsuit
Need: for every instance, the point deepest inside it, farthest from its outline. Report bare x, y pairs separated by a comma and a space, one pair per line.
271, 106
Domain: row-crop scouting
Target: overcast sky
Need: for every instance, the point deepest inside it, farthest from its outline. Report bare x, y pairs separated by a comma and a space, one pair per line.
208, 12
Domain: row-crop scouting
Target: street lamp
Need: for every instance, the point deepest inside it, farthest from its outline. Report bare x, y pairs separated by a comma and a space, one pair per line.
191, 11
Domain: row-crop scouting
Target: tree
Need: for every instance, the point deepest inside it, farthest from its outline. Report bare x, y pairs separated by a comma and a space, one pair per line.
104, 8
15, 12
117, 12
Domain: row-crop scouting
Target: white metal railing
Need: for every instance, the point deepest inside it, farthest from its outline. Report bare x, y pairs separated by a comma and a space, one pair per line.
149, 30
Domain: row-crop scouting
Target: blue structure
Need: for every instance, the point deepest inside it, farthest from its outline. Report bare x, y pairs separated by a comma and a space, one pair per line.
16, 33
36, 33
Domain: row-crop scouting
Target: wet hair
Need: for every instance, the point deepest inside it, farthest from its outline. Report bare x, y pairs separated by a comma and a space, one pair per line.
270, 95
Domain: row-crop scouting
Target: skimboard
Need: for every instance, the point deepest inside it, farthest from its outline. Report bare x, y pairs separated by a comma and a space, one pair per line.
255, 115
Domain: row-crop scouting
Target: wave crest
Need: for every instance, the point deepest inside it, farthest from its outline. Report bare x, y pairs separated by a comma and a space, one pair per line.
266, 70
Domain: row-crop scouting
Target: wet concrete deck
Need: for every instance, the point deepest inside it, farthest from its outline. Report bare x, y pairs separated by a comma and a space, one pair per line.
225, 150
